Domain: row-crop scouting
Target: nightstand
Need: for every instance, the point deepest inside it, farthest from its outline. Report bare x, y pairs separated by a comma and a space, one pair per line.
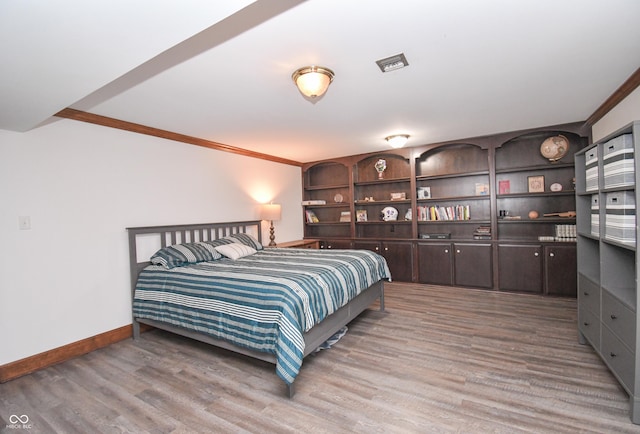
300, 244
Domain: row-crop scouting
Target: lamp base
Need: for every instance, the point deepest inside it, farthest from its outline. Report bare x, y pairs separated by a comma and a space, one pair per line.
272, 237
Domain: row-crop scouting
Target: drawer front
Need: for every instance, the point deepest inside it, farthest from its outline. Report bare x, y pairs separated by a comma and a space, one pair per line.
588, 294
589, 325
619, 359
619, 318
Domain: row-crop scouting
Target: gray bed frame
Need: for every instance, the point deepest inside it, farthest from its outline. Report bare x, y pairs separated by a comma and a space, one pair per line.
174, 234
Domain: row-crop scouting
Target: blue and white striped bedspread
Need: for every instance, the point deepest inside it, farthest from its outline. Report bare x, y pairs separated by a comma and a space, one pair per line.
265, 301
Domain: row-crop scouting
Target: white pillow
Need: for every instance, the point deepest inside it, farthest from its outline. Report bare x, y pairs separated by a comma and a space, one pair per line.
235, 250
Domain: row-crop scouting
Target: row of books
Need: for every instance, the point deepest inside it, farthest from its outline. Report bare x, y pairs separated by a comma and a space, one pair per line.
436, 212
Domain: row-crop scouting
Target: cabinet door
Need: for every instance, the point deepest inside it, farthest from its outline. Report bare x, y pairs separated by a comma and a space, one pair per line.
374, 246
473, 265
398, 256
399, 259
520, 267
335, 244
560, 270
435, 263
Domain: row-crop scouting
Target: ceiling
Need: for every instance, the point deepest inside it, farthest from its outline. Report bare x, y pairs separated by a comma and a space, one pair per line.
221, 71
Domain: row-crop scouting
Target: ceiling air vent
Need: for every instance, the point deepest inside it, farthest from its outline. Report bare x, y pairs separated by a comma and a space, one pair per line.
392, 63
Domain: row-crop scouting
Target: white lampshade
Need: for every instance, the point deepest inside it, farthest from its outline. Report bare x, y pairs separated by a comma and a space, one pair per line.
313, 81
397, 141
270, 212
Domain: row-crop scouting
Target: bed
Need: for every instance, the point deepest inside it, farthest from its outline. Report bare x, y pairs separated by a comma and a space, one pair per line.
217, 284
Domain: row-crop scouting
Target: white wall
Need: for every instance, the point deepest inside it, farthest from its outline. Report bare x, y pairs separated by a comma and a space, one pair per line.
67, 278
627, 111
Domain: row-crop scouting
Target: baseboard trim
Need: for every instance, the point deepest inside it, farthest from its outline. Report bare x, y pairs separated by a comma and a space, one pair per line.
43, 360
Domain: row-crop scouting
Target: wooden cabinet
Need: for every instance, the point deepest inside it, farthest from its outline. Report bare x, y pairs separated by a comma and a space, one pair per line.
335, 244
397, 253
538, 268
607, 265
560, 273
461, 264
520, 267
477, 193
435, 263
472, 265
300, 244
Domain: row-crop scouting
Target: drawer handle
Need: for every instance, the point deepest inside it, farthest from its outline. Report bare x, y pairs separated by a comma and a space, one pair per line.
612, 354
613, 316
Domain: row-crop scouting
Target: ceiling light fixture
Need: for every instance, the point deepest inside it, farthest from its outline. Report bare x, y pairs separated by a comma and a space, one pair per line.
313, 81
398, 140
392, 63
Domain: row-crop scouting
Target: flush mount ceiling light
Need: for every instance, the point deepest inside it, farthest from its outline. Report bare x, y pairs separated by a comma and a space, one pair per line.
313, 81
392, 63
398, 140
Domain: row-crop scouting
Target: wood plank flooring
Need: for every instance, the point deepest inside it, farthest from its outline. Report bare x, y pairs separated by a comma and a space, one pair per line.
440, 359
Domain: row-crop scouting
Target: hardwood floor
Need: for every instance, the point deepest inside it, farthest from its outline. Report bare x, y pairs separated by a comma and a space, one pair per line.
440, 359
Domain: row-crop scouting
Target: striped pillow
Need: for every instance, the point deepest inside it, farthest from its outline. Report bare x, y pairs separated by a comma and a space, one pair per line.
246, 239
236, 250
179, 255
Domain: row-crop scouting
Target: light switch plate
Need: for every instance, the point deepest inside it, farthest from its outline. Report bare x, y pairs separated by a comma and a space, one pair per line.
24, 222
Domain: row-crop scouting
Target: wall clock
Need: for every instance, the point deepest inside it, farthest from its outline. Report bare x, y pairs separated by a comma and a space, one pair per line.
554, 148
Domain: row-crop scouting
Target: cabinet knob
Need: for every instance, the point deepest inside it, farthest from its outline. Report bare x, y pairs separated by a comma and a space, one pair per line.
612, 354
552, 254
536, 254
586, 293
586, 324
457, 250
446, 250
377, 248
386, 249
613, 316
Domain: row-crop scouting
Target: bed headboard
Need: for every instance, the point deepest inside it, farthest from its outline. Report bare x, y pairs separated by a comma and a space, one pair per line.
145, 241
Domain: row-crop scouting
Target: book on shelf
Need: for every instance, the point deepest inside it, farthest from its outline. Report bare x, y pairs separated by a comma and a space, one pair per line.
482, 232
436, 212
482, 189
311, 217
314, 202
504, 187
361, 215
345, 216
438, 236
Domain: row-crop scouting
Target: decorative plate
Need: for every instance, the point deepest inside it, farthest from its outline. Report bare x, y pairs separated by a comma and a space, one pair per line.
338, 198
389, 214
554, 148
556, 186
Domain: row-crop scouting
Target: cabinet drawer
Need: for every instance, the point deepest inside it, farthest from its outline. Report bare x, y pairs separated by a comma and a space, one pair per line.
588, 294
619, 359
619, 318
589, 325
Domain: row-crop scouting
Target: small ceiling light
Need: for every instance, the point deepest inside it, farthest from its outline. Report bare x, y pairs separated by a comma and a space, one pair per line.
398, 140
392, 63
313, 81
